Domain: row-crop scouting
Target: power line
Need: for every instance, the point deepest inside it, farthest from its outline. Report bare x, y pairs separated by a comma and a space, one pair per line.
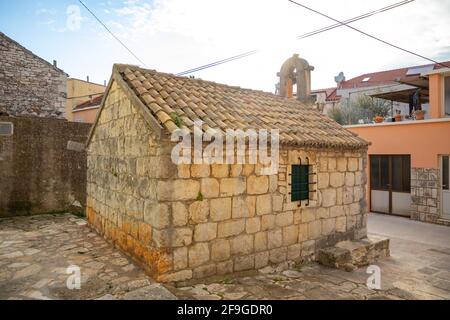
210, 65
369, 35
111, 33
363, 16
306, 35
87, 96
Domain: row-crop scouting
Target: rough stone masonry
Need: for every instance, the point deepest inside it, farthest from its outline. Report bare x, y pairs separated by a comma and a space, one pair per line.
426, 198
39, 173
188, 222
29, 85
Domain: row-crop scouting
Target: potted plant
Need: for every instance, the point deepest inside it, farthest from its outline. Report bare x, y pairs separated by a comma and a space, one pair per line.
378, 119
420, 114
398, 116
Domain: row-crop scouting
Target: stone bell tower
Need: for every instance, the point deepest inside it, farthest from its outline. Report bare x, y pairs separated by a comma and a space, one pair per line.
295, 71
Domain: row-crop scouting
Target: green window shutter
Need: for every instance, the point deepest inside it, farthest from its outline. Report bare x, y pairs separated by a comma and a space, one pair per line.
299, 183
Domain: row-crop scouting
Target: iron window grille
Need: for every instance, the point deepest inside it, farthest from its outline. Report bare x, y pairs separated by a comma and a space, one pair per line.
301, 182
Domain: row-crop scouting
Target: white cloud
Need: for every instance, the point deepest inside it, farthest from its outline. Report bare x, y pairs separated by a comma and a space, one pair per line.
45, 11
48, 22
175, 35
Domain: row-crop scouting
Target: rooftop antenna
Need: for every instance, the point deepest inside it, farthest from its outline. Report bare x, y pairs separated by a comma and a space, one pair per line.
339, 78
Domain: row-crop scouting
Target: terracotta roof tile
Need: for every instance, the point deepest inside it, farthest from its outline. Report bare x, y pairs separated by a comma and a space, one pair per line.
95, 102
383, 77
379, 78
333, 96
224, 107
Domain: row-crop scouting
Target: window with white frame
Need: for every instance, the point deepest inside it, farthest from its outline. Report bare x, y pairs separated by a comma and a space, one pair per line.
6, 128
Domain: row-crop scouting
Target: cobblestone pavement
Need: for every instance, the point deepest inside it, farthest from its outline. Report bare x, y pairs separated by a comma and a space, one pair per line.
412, 280
419, 268
36, 251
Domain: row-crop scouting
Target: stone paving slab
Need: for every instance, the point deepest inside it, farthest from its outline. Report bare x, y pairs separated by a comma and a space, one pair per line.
35, 253
415, 271
315, 282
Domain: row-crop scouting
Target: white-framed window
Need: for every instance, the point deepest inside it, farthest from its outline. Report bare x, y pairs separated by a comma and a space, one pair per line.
6, 129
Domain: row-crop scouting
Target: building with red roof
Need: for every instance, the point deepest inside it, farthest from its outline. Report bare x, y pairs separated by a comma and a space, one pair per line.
397, 85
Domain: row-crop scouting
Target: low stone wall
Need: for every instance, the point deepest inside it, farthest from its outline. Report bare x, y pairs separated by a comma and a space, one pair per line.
351, 255
38, 174
426, 195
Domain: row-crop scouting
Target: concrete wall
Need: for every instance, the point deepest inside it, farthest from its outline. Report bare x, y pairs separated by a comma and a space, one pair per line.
29, 85
321, 102
78, 91
188, 222
440, 94
85, 115
436, 82
425, 141
38, 174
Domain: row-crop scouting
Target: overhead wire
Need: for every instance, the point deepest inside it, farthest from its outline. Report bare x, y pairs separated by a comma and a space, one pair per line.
111, 33
369, 35
306, 35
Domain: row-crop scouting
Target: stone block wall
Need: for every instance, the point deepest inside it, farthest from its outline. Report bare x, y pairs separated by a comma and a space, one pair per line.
39, 174
29, 85
425, 193
189, 222
124, 164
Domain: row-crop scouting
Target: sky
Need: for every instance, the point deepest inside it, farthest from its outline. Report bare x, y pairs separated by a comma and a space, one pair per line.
177, 35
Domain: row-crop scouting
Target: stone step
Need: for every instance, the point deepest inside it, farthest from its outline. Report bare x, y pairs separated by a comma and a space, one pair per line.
351, 255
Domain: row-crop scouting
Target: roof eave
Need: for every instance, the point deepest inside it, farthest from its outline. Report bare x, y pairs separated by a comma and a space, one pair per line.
116, 76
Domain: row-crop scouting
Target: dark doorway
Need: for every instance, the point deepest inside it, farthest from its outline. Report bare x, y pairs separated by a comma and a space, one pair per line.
390, 184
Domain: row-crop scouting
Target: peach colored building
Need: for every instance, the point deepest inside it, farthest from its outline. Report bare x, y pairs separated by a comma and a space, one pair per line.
87, 111
409, 170
79, 92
